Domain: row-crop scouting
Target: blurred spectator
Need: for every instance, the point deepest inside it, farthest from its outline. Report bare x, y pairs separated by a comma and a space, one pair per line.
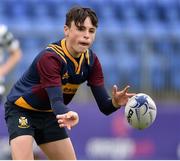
9, 43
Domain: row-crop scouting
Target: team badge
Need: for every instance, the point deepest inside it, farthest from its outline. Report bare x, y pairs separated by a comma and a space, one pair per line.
65, 76
23, 122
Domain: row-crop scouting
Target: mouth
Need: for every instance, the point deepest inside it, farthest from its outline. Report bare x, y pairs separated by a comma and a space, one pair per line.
84, 44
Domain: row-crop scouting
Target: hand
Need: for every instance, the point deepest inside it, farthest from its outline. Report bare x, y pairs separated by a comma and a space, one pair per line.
120, 98
68, 119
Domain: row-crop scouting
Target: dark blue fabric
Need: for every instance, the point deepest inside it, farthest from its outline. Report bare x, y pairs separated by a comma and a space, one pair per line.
56, 100
103, 100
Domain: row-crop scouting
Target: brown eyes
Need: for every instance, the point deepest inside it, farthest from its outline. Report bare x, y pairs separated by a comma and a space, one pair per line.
81, 28
92, 31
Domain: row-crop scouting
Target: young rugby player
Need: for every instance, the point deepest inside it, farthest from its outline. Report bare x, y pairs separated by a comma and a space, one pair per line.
36, 107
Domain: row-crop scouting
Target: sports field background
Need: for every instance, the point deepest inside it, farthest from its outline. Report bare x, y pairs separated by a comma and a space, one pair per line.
138, 43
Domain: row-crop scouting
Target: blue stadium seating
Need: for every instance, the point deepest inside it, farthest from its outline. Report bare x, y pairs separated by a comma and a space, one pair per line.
130, 31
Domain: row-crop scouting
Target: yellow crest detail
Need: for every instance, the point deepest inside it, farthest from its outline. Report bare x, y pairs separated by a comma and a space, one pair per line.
23, 122
65, 76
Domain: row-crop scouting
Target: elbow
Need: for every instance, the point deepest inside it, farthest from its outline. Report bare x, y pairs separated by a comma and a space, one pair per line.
107, 109
105, 112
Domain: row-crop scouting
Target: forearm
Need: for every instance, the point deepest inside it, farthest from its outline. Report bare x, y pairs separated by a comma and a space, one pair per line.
56, 100
12, 60
65, 117
103, 100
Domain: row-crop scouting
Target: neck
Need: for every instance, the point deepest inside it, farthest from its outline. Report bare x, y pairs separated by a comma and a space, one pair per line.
71, 51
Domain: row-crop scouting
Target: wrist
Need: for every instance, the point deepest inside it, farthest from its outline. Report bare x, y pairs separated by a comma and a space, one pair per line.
116, 105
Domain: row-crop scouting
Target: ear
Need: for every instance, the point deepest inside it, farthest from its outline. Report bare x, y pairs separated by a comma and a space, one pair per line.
66, 30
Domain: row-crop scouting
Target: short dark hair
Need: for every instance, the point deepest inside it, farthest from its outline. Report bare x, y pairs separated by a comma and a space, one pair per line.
79, 14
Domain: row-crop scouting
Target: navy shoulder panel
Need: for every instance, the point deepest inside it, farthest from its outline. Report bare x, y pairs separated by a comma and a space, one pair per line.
90, 57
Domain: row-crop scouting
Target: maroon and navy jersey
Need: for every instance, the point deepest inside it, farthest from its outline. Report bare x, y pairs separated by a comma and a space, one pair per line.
55, 67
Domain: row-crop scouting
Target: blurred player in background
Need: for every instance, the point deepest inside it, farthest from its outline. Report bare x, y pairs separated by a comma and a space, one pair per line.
36, 107
10, 55
9, 43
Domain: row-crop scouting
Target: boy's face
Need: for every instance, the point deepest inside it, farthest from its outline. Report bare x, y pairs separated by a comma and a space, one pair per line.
79, 39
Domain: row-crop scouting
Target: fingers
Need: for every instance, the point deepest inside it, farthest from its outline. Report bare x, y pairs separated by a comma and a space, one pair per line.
62, 116
114, 90
68, 115
62, 123
72, 114
69, 127
126, 89
62, 120
68, 119
130, 94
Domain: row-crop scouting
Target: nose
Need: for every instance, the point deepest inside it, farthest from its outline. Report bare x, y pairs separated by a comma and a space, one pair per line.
86, 35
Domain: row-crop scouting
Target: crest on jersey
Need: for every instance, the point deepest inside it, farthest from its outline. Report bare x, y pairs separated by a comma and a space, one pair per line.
65, 76
23, 122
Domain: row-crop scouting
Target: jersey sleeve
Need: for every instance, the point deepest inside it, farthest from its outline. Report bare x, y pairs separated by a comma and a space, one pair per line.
96, 82
49, 68
56, 99
96, 77
103, 100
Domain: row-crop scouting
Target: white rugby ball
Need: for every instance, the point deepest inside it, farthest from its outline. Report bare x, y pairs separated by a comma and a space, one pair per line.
140, 111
